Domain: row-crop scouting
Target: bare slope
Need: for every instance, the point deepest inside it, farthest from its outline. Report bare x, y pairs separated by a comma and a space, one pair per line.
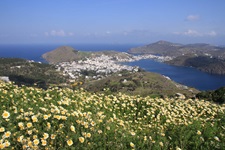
61, 54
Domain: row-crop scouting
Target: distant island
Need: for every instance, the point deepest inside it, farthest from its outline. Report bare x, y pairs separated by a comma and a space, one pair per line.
205, 57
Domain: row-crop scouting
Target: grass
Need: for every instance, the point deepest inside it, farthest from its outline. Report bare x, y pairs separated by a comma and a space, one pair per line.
55, 118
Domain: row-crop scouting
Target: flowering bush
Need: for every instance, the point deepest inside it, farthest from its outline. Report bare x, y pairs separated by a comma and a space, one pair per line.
63, 118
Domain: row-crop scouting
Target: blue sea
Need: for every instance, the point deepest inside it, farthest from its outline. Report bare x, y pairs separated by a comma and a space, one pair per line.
183, 75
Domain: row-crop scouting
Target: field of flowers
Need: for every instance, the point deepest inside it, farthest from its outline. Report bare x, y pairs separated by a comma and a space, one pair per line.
55, 118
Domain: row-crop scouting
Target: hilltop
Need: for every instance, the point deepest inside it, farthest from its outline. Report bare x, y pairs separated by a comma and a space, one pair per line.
159, 48
61, 54
205, 57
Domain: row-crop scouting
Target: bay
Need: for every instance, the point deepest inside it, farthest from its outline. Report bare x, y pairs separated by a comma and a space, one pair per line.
184, 75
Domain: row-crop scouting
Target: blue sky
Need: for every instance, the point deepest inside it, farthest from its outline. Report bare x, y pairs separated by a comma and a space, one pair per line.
112, 21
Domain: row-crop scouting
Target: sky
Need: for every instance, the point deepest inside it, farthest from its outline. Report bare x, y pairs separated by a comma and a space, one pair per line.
112, 21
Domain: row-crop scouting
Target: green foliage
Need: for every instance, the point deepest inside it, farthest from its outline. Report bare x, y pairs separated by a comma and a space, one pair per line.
217, 96
24, 72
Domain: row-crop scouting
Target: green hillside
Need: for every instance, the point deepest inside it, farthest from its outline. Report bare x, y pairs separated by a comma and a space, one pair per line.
24, 72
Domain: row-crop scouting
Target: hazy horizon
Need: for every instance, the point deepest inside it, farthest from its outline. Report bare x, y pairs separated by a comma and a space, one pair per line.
112, 22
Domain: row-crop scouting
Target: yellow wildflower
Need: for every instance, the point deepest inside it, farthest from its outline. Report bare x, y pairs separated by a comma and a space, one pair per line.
45, 117
34, 119
69, 142
45, 135
30, 143
29, 132
35, 136
48, 125
7, 134
93, 123
108, 128
72, 128
99, 131
29, 124
88, 135
36, 142
2, 129
199, 132
5, 114
145, 138
53, 136
7, 143
81, 139
20, 124
132, 133
132, 145
2, 146
20, 138
63, 117
161, 144
178, 148
43, 142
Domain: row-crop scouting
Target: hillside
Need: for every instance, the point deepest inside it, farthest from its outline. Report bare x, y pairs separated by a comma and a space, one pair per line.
216, 96
25, 72
140, 83
55, 118
165, 48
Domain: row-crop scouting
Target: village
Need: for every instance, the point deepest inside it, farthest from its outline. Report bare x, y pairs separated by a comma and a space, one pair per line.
102, 66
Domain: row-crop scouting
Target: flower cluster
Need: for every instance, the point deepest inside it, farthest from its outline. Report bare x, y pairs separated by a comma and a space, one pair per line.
55, 118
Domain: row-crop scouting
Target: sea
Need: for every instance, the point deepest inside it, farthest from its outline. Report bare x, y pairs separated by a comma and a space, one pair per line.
184, 75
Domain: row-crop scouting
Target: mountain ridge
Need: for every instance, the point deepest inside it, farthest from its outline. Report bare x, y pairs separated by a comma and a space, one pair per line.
166, 48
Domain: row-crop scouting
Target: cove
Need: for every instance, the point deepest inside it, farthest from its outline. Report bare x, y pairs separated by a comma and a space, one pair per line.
184, 75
